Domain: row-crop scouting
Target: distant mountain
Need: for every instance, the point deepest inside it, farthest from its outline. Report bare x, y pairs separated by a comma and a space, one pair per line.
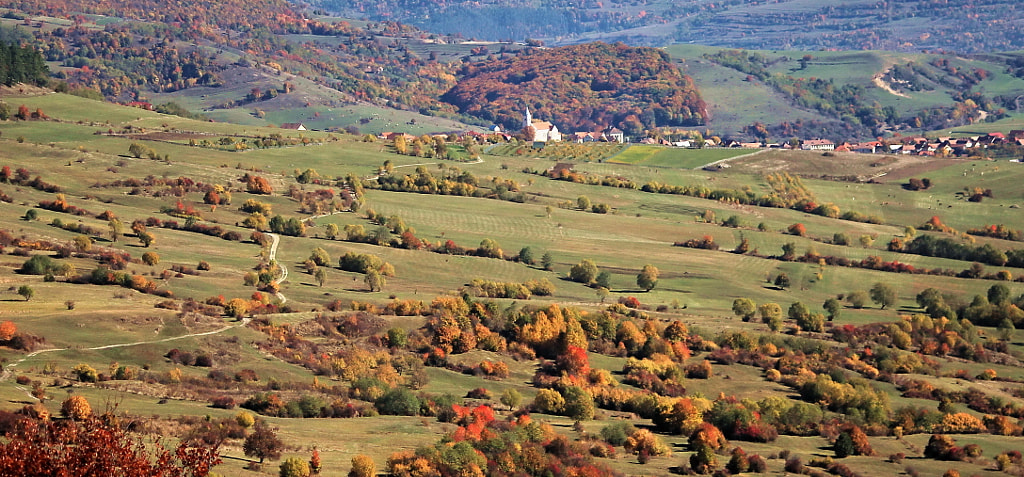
965, 26
588, 87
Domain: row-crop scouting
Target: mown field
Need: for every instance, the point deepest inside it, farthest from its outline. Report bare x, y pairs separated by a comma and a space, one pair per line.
696, 287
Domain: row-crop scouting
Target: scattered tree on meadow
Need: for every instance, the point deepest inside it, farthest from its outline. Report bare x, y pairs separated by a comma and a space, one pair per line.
76, 408
833, 307
362, 466
375, 280
584, 272
782, 281
150, 258
294, 467
26, 292
883, 294
857, 299
745, 308
547, 261
526, 256
263, 443
648, 278
511, 398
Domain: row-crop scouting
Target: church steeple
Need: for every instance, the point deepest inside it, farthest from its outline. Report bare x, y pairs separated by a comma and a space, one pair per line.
528, 120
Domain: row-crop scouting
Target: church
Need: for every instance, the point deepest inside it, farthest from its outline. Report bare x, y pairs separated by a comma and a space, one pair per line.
543, 131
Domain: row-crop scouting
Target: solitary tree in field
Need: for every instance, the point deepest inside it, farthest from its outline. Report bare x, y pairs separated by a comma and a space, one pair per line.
375, 280
583, 202
883, 295
263, 443
782, 281
26, 292
294, 467
833, 307
547, 261
648, 278
584, 272
363, 466
857, 299
511, 398
321, 276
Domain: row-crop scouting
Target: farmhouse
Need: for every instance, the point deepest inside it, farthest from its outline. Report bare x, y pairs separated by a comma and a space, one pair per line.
818, 145
293, 126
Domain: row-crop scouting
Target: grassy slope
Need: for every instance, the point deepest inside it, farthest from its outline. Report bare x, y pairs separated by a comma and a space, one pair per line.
734, 102
641, 230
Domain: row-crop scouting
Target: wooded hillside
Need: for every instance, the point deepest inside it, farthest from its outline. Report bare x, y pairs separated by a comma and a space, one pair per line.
596, 85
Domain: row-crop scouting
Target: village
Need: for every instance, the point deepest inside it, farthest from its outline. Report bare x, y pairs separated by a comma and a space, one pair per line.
540, 132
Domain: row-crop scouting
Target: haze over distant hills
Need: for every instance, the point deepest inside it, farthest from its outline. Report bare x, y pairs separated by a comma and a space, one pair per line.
914, 25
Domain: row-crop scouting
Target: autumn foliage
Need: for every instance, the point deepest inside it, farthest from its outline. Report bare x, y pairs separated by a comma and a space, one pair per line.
40, 448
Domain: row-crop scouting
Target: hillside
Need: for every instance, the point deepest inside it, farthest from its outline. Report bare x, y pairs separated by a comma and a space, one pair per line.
959, 25
850, 95
590, 87
187, 278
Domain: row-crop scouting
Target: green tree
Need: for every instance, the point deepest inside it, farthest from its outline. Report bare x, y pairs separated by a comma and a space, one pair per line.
397, 338
547, 261
833, 307
26, 292
857, 299
883, 294
398, 401
798, 311
375, 281
604, 280
320, 257
584, 272
788, 251
998, 294
526, 256
263, 443
548, 401
744, 308
294, 467
583, 203
782, 281
843, 446
579, 404
321, 276
31, 215
648, 278
1005, 329
332, 231
511, 398
86, 373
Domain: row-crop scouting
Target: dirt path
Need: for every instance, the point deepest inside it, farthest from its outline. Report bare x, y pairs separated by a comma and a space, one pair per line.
723, 161
276, 240
8, 370
877, 80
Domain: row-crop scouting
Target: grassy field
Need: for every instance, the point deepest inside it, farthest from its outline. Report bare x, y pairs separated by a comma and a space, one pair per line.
696, 287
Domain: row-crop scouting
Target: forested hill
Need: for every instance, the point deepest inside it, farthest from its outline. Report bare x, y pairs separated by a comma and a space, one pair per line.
587, 87
964, 26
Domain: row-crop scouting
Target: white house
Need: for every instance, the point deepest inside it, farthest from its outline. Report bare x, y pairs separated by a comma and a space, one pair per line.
543, 131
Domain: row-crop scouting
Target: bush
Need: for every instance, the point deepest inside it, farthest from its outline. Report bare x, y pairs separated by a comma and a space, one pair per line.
398, 402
